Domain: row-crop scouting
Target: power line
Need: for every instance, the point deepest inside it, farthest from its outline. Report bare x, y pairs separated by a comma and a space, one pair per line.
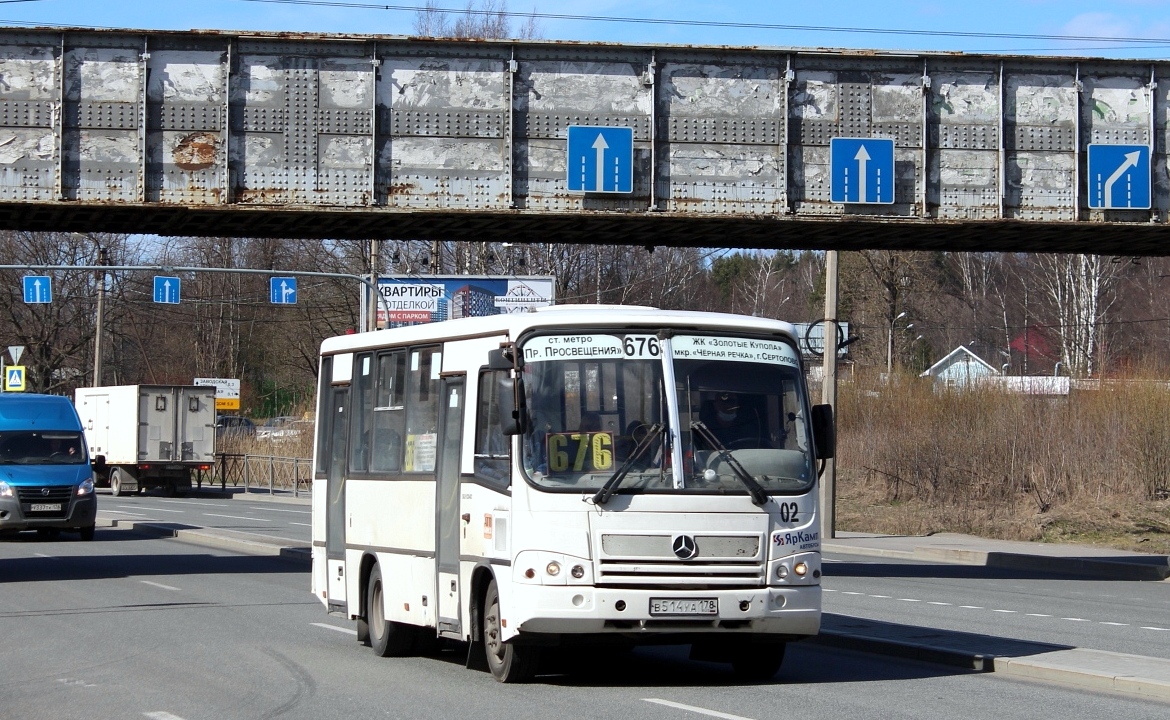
721, 24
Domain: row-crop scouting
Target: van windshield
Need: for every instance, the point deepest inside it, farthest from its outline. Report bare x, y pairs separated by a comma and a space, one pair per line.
24, 447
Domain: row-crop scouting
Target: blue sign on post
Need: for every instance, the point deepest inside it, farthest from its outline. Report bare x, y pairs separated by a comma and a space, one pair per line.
861, 171
166, 289
38, 289
282, 290
1119, 177
601, 159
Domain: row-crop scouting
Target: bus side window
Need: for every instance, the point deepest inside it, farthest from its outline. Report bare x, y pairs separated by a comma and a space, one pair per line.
363, 407
422, 409
493, 456
389, 413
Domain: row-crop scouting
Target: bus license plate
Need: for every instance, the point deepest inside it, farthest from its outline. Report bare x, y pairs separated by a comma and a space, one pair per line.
45, 507
684, 606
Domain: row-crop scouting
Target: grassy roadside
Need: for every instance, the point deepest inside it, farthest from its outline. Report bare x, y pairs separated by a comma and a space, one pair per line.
1090, 468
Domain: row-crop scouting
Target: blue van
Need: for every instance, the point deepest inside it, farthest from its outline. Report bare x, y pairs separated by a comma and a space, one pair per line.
46, 482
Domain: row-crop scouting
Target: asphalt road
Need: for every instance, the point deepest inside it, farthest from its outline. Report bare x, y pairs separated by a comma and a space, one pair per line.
1117, 616
129, 626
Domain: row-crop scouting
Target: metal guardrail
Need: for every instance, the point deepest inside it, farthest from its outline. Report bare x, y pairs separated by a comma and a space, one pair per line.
259, 472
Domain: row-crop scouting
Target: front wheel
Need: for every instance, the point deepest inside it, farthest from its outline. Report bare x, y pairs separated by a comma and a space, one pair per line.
758, 663
509, 663
387, 638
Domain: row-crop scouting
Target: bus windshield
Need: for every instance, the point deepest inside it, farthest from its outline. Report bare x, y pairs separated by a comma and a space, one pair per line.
595, 402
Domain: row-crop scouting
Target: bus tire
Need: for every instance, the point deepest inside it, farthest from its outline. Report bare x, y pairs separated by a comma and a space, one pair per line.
387, 638
758, 663
509, 663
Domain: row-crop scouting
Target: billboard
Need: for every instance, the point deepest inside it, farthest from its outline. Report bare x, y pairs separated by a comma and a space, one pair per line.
227, 391
411, 300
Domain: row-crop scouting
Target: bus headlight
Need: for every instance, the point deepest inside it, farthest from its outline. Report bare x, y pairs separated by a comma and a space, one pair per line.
781, 572
800, 569
553, 568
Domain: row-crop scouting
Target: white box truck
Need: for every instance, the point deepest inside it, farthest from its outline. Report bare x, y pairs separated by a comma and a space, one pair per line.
145, 436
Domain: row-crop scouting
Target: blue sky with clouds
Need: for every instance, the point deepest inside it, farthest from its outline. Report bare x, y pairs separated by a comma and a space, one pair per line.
1147, 21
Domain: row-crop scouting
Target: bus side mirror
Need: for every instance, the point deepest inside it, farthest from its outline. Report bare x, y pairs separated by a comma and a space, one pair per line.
824, 431
512, 416
501, 358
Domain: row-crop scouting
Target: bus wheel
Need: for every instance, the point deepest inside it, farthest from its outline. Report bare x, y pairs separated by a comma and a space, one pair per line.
116, 482
508, 663
758, 663
387, 639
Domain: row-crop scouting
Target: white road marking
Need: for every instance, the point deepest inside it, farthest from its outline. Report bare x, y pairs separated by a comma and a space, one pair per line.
909, 600
75, 683
1147, 627
302, 524
1116, 624
298, 512
971, 607
932, 602
235, 517
327, 626
824, 589
846, 592
1005, 611
1076, 619
887, 597
692, 708
191, 502
1038, 615
161, 715
159, 585
181, 512
123, 512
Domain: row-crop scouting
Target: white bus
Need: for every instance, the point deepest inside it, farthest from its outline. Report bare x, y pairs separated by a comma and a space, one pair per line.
579, 475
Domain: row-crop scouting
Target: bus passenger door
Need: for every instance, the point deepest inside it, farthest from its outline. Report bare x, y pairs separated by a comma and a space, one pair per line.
338, 430
447, 507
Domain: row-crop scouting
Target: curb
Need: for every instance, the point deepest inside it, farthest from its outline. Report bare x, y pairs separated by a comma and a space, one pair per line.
1120, 569
222, 539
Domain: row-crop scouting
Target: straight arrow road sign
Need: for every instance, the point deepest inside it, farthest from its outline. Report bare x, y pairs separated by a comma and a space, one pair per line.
166, 289
1119, 177
861, 171
600, 159
38, 289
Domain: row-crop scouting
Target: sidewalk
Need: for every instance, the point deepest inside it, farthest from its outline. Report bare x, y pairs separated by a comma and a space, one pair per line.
1142, 677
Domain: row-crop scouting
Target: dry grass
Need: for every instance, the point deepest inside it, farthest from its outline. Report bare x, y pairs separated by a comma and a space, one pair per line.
1090, 468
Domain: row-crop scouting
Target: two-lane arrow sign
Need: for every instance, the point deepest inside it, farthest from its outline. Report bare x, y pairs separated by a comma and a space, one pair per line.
282, 290
600, 159
166, 289
1119, 177
861, 171
38, 289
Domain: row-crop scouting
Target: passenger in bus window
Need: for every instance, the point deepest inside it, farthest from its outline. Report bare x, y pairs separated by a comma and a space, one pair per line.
733, 421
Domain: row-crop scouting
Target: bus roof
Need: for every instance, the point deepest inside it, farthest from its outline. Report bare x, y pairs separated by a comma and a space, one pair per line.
512, 325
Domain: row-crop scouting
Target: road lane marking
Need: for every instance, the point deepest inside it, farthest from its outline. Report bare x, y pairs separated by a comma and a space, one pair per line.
699, 710
298, 512
1075, 619
1005, 611
933, 602
846, 592
189, 502
138, 507
327, 626
47, 557
971, 607
909, 600
159, 585
887, 597
1116, 624
1038, 615
236, 517
1147, 627
123, 512
161, 715
824, 589
302, 524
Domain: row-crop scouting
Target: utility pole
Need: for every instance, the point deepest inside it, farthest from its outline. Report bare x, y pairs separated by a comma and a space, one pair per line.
99, 320
828, 485
372, 310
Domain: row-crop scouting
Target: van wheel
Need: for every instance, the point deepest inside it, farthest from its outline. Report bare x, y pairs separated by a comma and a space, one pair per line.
86, 532
387, 639
509, 663
115, 482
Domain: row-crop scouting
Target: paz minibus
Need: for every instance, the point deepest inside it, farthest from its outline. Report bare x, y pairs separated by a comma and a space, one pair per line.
598, 476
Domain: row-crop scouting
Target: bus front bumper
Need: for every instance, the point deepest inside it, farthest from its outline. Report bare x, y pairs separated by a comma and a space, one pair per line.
791, 611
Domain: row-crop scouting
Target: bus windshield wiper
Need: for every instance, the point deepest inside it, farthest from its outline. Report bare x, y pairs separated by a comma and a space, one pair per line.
603, 495
759, 497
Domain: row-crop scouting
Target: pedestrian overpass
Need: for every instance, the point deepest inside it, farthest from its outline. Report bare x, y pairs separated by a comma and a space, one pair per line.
331, 136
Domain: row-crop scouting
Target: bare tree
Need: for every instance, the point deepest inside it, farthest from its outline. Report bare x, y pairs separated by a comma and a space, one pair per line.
1079, 293
486, 19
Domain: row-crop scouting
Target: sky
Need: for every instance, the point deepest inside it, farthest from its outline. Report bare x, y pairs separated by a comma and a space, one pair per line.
1129, 28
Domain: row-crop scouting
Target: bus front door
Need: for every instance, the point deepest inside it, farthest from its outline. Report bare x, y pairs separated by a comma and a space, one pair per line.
447, 508
338, 430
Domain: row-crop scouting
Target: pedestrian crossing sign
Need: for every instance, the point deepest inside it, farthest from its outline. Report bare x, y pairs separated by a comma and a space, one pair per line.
14, 378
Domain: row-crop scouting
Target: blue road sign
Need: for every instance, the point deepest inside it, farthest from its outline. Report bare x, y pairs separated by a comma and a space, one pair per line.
38, 289
1119, 177
601, 159
166, 289
861, 171
14, 378
282, 290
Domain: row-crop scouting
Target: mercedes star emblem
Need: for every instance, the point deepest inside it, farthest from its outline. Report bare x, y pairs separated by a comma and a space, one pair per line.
684, 546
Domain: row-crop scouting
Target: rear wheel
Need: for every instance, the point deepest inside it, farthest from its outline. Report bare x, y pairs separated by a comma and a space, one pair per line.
758, 663
387, 638
509, 663
116, 479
